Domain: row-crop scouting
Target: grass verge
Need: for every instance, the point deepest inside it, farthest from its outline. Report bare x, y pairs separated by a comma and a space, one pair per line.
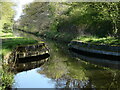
9, 42
99, 41
87, 39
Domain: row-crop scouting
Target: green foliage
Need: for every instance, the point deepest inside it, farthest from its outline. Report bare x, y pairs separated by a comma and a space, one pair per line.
6, 16
10, 42
7, 28
35, 18
7, 79
61, 67
65, 37
95, 40
54, 25
100, 19
76, 18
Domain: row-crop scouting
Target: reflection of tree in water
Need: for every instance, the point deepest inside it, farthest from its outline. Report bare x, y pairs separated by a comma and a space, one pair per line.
75, 78
67, 72
63, 80
79, 75
61, 71
72, 83
30, 65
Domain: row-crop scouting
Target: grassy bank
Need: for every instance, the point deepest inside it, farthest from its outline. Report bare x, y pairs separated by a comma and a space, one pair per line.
67, 37
87, 39
99, 41
9, 42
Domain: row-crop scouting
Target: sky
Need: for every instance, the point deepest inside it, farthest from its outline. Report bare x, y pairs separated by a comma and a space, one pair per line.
19, 7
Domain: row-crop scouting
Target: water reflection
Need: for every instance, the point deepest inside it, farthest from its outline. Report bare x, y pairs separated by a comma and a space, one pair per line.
29, 65
64, 71
26, 57
31, 79
98, 61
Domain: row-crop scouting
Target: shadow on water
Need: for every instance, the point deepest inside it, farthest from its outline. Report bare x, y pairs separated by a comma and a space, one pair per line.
33, 58
102, 60
27, 57
69, 72
65, 70
96, 55
28, 63
19, 67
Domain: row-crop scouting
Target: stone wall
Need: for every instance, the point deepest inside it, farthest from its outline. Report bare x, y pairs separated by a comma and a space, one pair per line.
99, 49
28, 51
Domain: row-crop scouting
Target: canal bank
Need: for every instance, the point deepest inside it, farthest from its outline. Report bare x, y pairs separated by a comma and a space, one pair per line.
107, 50
111, 48
100, 54
9, 43
98, 58
64, 71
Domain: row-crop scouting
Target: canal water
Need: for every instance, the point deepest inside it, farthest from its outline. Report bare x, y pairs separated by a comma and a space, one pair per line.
64, 70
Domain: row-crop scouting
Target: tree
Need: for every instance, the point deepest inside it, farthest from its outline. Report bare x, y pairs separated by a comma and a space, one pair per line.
35, 17
7, 14
81, 18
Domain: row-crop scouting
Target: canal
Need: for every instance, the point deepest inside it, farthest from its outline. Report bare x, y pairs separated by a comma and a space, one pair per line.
63, 69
